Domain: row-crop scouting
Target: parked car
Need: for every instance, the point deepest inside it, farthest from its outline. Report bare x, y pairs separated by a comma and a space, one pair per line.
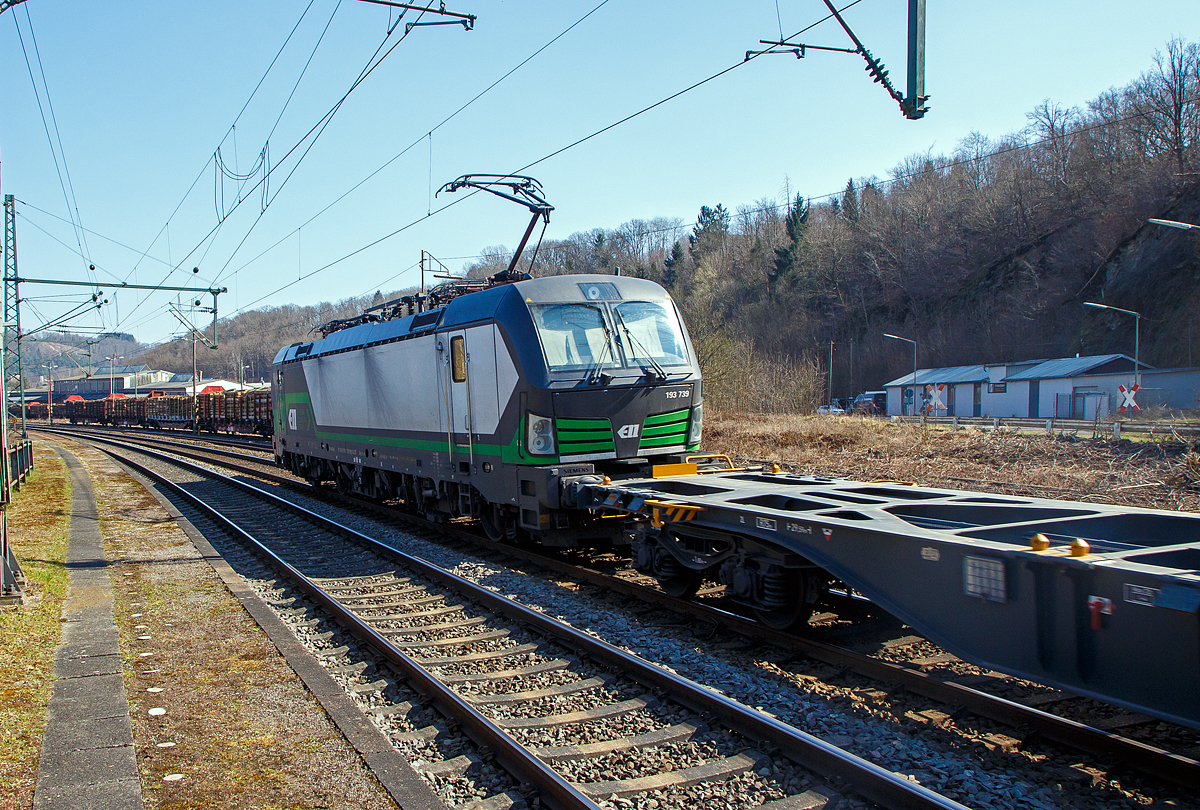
871, 403
831, 410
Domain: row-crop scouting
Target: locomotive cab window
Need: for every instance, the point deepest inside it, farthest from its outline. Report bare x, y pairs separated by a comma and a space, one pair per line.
650, 331
458, 359
590, 337
575, 337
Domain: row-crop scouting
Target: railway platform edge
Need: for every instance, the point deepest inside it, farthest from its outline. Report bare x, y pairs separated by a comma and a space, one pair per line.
88, 756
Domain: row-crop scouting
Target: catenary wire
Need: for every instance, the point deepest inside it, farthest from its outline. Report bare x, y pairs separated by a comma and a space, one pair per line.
28, 204
890, 181
435, 128
211, 234
60, 169
70, 249
81, 234
319, 129
204, 168
534, 163
320, 125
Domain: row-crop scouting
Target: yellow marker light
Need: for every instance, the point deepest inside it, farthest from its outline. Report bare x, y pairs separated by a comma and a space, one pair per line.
1039, 542
1080, 547
607, 480
776, 468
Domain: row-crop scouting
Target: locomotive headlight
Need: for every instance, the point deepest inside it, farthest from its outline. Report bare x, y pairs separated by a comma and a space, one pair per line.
697, 424
540, 437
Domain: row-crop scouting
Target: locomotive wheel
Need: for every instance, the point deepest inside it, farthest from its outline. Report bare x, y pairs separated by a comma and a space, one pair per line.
496, 524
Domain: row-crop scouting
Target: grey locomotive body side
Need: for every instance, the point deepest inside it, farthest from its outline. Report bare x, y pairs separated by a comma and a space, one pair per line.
487, 407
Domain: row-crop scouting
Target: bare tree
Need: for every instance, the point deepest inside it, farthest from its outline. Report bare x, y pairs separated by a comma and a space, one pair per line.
1164, 99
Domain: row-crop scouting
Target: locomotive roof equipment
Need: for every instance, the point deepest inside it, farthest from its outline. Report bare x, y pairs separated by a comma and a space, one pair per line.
522, 190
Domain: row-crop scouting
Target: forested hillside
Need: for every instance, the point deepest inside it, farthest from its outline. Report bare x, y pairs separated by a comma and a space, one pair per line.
981, 255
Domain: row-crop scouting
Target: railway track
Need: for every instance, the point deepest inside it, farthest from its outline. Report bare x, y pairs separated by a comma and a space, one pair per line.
232, 440
512, 679
905, 661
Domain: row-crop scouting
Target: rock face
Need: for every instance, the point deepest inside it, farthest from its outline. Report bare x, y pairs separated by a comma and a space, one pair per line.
1156, 272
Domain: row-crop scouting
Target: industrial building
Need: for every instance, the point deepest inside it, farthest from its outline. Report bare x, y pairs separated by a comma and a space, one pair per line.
1064, 388
128, 380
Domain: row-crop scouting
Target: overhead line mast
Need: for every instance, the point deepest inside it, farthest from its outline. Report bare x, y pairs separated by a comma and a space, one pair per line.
467, 21
913, 104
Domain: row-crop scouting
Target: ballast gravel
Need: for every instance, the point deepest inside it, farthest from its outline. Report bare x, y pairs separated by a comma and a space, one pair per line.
948, 765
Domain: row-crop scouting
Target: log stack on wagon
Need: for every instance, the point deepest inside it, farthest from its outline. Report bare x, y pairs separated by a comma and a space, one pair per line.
127, 411
236, 411
219, 411
169, 412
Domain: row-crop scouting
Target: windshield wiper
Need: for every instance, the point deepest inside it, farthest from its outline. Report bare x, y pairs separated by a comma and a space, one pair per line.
659, 373
594, 374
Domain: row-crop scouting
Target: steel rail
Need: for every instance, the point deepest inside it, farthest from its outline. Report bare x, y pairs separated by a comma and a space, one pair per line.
515, 758
1146, 758
1175, 768
873, 782
235, 440
186, 449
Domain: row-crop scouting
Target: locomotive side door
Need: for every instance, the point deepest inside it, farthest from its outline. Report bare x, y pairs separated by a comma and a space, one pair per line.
457, 387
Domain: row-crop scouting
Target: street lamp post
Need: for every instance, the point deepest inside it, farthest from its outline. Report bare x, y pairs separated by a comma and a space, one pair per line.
1137, 321
914, 381
1170, 223
112, 372
1185, 226
831, 374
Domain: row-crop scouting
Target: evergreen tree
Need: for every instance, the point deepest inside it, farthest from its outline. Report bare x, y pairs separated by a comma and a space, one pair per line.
785, 257
671, 266
850, 201
710, 221
709, 232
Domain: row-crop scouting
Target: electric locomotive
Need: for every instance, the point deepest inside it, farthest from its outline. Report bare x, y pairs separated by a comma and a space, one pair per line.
493, 401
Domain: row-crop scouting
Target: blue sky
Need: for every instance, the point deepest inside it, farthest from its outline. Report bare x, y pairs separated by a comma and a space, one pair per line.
145, 93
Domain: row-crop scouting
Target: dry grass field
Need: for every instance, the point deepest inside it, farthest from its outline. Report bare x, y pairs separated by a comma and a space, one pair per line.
37, 528
1162, 475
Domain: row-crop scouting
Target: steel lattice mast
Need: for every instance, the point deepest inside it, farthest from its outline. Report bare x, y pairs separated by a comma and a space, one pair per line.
12, 309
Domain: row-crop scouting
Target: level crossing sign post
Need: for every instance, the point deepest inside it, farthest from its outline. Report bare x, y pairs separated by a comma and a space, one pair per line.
933, 399
1127, 397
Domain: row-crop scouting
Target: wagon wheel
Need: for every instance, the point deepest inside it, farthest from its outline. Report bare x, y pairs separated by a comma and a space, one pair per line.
682, 585
673, 578
795, 611
790, 617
